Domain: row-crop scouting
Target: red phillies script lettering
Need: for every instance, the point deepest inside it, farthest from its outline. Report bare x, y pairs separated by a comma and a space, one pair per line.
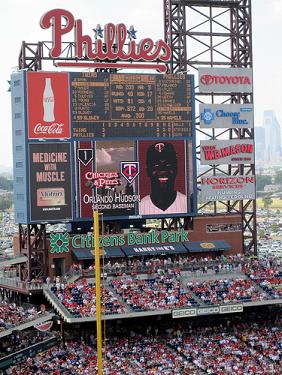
223, 80
54, 128
62, 22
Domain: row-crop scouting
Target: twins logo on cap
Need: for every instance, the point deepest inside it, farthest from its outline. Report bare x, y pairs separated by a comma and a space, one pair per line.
159, 147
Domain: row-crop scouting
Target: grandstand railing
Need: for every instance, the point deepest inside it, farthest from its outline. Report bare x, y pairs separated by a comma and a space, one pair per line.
18, 284
31, 351
30, 323
69, 318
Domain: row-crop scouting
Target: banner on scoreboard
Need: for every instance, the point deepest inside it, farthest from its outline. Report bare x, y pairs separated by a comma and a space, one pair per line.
226, 116
225, 188
236, 151
50, 181
225, 80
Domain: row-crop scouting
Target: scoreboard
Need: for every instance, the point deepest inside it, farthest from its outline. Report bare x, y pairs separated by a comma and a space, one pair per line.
94, 130
130, 105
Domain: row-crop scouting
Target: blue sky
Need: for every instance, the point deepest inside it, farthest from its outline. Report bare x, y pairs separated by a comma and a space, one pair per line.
20, 21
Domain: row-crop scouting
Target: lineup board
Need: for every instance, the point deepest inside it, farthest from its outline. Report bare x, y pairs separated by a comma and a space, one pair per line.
130, 105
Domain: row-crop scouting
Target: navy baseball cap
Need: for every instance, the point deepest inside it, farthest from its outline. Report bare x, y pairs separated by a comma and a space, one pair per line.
161, 151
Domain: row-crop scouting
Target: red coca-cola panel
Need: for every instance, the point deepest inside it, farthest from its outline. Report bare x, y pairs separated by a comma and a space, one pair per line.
48, 105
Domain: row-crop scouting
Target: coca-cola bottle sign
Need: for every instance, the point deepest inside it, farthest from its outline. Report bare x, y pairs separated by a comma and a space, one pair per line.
48, 105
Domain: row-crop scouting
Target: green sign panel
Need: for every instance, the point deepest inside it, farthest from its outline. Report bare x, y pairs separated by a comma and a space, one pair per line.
61, 242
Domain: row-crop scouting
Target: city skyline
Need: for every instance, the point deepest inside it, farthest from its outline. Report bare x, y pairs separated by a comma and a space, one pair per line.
268, 139
147, 19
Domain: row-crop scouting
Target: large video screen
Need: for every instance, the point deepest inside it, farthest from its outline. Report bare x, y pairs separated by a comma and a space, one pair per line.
146, 178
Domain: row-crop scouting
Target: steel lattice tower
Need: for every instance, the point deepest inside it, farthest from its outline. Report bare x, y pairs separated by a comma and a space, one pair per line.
215, 33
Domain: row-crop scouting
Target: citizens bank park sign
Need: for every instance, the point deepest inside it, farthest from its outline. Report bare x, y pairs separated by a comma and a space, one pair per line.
225, 188
113, 43
62, 242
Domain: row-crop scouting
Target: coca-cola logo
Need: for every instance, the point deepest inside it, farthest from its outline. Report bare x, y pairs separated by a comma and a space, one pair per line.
54, 128
208, 79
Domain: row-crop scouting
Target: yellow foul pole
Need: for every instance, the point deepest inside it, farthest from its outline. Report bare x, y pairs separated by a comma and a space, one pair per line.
98, 292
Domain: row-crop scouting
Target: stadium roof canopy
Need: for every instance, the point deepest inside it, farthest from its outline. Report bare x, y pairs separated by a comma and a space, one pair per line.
161, 249
87, 254
201, 246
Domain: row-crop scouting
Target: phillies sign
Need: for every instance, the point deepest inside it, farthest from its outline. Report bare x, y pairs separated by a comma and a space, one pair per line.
225, 80
112, 47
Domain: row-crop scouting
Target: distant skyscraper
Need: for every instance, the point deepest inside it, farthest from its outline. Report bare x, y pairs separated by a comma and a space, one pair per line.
272, 136
260, 143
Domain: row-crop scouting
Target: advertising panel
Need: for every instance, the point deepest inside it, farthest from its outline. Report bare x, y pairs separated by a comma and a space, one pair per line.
134, 178
131, 105
237, 151
225, 80
225, 188
48, 105
226, 116
50, 181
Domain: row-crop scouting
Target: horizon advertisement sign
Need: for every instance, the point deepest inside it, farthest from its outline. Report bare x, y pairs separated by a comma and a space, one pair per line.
237, 151
225, 188
225, 80
226, 116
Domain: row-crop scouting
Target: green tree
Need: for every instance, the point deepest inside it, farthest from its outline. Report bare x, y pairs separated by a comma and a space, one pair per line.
5, 203
267, 202
278, 177
6, 184
261, 181
261, 232
274, 228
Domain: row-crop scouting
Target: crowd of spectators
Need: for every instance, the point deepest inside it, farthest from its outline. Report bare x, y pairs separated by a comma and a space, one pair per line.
224, 353
266, 340
159, 293
12, 315
152, 264
19, 340
79, 298
268, 274
241, 349
227, 280
133, 356
213, 292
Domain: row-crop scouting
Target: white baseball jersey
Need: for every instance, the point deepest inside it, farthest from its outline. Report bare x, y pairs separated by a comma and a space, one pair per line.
147, 207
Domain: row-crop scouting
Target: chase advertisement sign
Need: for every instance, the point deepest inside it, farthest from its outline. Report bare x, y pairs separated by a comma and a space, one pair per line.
226, 116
